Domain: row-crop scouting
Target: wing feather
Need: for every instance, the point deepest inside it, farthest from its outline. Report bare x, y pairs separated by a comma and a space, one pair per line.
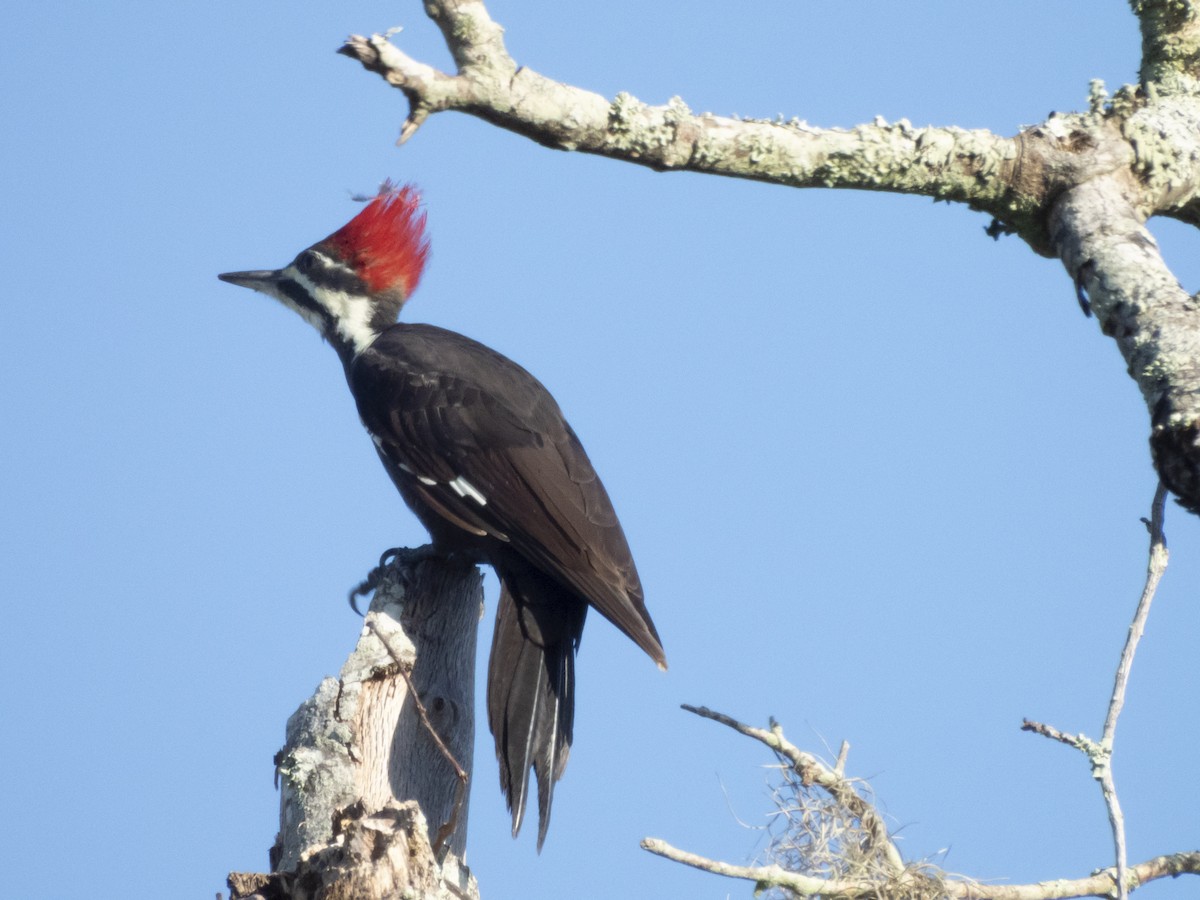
442, 407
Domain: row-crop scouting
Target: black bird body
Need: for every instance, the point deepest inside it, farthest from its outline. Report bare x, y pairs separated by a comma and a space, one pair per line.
481, 453
443, 408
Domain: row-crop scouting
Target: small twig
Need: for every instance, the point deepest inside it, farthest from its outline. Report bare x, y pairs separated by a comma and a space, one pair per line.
812, 771
416, 118
1155, 567
1080, 742
1100, 752
447, 827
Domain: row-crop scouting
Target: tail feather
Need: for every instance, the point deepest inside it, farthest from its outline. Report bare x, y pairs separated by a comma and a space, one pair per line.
531, 688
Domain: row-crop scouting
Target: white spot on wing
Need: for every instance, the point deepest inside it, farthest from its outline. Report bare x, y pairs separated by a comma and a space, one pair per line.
464, 488
403, 467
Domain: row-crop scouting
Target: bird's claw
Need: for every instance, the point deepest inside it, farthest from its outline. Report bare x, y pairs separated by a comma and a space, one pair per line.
366, 586
389, 557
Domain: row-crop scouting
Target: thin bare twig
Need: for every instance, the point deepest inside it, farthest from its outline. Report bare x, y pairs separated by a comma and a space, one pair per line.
1080, 742
1155, 567
840, 765
812, 771
447, 828
1099, 753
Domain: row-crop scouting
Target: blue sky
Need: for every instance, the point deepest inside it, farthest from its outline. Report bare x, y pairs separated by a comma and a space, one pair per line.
881, 477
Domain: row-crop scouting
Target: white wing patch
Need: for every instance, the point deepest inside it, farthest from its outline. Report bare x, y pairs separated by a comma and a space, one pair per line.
459, 485
420, 478
464, 488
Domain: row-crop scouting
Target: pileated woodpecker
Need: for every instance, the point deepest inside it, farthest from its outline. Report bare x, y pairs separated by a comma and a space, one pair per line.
481, 453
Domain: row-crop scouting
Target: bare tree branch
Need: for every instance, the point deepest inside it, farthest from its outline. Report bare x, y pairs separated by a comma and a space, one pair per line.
1014, 179
945, 163
1116, 263
765, 877
1099, 884
898, 880
1170, 43
1099, 753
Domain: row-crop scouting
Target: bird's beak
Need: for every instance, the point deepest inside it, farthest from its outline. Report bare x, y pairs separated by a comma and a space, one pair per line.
264, 280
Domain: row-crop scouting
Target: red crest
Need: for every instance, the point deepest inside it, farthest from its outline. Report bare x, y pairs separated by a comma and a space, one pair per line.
386, 243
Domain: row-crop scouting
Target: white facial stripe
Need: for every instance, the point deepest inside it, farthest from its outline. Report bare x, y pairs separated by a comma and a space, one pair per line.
351, 312
330, 263
464, 488
312, 317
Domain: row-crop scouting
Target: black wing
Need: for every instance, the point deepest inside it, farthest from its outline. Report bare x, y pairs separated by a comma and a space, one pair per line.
486, 447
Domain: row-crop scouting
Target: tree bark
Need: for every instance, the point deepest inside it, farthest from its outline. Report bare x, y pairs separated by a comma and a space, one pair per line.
374, 770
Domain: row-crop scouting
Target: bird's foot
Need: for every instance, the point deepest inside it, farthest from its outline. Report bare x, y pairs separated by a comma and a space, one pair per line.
407, 556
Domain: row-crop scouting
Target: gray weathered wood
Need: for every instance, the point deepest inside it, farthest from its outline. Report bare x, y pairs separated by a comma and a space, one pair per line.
359, 753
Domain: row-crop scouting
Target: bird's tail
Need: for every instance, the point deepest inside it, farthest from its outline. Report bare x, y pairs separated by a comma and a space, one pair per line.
531, 687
